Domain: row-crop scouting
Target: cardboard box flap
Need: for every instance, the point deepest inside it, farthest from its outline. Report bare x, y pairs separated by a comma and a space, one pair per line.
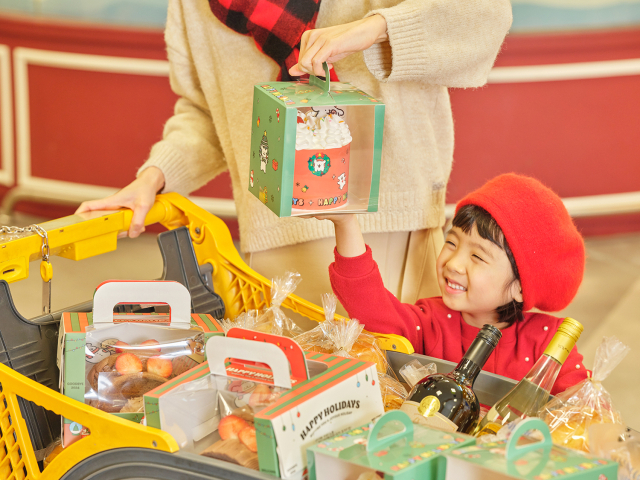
111, 293
219, 349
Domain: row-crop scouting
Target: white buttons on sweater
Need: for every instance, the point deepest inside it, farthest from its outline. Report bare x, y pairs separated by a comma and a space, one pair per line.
418, 327
449, 315
578, 366
526, 359
546, 328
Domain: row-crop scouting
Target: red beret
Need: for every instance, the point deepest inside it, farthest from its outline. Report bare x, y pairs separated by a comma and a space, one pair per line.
547, 247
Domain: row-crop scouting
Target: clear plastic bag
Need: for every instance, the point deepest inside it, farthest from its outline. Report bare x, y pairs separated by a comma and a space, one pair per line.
617, 443
414, 371
347, 339
571, 413
238, 402
246, 320
118, 372
273, 320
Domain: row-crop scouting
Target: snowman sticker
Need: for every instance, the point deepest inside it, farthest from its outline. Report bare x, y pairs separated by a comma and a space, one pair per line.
342, 181
264, 152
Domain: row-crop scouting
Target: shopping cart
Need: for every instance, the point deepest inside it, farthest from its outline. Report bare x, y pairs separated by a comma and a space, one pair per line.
198, 251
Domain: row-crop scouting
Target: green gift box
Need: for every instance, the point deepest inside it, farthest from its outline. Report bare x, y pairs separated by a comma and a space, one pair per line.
335, 164
415, 452
535, 460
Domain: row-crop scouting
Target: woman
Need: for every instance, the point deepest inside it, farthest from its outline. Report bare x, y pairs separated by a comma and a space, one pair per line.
405, 53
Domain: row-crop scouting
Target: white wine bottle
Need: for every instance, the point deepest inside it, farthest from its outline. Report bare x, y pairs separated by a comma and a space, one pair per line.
532, 392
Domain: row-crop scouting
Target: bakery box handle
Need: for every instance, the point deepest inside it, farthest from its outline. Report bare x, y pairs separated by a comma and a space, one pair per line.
113, 292
325, 84
220, 348
514, 452
374, 443
289, 347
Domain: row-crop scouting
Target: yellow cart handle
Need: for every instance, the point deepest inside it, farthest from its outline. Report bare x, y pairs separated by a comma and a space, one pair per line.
88, 234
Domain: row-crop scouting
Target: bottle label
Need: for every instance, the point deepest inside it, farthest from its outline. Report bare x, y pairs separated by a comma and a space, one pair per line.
491, 428
431, 418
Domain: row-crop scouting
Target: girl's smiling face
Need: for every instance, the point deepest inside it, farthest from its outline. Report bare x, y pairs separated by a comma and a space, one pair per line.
475, 277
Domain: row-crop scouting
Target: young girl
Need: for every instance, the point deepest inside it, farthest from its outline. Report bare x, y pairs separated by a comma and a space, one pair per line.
512, 247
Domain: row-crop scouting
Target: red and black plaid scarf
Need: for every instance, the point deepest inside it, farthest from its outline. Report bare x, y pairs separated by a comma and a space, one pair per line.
275, 25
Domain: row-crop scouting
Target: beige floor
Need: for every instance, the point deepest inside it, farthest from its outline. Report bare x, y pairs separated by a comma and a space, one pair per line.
608, 302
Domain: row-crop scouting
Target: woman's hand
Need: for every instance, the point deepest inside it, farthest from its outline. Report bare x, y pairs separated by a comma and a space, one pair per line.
334, 43
139, 196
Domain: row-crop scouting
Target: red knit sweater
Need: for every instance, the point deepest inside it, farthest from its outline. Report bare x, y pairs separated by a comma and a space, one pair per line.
435, 330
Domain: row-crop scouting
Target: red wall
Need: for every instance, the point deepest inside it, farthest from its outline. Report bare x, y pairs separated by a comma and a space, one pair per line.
581, 137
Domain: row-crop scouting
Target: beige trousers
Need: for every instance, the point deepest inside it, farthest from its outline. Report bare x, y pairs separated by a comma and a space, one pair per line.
407, 263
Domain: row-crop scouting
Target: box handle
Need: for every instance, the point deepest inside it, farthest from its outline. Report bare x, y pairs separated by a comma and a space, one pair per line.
514, 451
374, 443
291, 349
110, 293
325, 84
221, 348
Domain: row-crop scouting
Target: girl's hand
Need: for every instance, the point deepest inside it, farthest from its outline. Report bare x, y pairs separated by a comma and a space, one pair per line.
334, 43
139, 196
349, 240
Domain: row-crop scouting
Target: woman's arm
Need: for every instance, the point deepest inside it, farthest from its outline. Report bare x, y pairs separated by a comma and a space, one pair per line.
453, 43
189, 155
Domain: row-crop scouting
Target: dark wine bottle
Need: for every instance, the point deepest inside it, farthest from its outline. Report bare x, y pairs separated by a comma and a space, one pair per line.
447, 401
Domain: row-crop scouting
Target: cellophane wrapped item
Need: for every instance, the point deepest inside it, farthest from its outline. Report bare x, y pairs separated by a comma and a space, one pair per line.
119, 373
246, 320
414, 371
238, 402
617, 443
628, 457
347, 339
571, 413
273, 319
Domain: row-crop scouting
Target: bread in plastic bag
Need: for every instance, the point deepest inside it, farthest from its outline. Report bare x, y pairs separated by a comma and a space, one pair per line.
272, 319
347, 339
246, 320
571, 413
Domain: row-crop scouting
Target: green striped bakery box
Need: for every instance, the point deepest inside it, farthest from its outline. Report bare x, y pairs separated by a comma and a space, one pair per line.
392, 448
338, 394
76, 350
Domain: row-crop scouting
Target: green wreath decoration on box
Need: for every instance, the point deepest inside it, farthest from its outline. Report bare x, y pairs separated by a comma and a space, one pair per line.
319, 156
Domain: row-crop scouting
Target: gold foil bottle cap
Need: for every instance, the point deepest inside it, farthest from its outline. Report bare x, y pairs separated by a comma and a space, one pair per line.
571, 327
564, 340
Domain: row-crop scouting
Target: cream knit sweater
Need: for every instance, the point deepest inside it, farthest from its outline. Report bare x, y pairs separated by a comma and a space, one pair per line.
433, 44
